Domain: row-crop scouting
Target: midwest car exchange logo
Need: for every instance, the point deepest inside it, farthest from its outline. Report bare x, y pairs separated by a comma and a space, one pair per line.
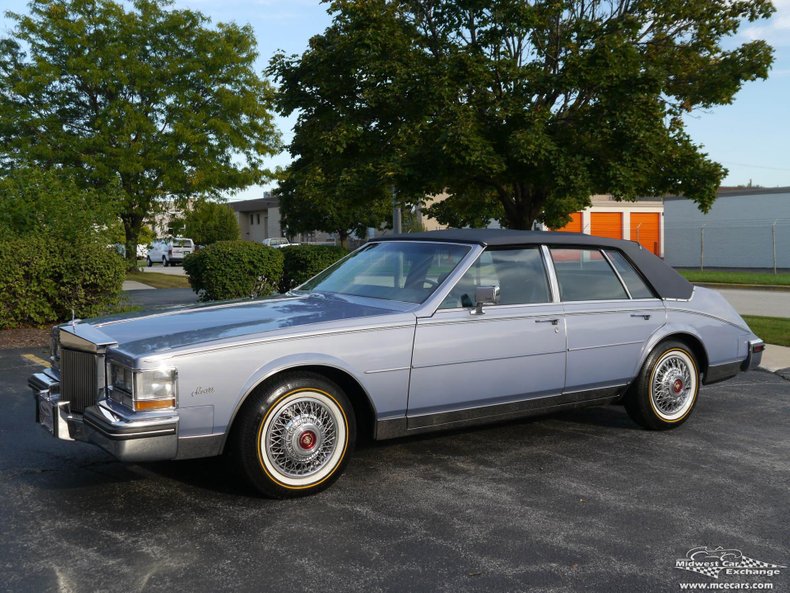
731, 562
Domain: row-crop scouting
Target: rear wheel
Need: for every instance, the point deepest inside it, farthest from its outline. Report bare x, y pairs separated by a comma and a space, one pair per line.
666, 391
294, 436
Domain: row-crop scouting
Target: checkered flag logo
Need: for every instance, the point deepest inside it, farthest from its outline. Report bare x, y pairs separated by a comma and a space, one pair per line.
752, 563
710, 562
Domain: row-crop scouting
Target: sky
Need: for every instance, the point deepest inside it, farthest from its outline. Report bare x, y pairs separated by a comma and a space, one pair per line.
750, 137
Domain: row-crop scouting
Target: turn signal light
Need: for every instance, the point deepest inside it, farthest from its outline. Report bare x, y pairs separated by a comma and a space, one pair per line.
147, 405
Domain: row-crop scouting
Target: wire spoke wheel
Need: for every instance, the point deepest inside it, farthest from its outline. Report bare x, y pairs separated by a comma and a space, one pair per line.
301, 437
672, 385
667, 387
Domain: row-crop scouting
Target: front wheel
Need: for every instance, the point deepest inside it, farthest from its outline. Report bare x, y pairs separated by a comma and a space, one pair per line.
666, 390
294, 436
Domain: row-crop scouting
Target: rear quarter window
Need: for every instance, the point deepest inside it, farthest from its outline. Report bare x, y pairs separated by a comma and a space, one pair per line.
633, 280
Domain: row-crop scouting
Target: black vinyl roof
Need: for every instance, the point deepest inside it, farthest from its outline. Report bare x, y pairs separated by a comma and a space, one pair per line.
666, 282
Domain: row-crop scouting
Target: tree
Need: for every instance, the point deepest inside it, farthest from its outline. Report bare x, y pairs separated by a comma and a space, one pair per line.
520, 110
36, 203
155, 101
344, 205
208, 222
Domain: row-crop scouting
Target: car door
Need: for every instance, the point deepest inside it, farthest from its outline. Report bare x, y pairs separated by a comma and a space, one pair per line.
512, 352
610, 313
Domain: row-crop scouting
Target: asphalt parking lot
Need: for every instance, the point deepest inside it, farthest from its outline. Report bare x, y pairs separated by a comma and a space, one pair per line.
575, 501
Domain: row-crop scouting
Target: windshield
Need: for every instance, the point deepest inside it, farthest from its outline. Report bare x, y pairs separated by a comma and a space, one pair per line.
394, 270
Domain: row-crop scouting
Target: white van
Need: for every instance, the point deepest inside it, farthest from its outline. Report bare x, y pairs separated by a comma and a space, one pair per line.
170, 251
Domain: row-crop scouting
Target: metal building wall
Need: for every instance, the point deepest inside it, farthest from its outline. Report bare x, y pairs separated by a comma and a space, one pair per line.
742, 230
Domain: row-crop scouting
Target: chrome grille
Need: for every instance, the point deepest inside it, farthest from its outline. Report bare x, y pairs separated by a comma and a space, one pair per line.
78, 379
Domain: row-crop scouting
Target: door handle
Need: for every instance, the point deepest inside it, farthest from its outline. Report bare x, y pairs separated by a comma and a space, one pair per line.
645, 316
551, 321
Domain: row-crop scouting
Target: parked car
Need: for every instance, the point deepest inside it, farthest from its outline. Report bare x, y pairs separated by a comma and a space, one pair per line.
170, 251
408, 334
278, 242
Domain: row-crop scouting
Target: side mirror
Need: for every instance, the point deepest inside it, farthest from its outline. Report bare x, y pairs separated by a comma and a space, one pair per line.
485, 295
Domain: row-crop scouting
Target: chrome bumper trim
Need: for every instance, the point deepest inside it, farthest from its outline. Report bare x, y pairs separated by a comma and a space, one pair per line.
46, 394
126, 437
753, 359
151, 438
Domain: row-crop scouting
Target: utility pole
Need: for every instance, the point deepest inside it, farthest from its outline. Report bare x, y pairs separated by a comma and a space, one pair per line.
396, 218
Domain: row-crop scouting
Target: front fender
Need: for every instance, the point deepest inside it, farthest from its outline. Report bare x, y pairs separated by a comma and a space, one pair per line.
285, 363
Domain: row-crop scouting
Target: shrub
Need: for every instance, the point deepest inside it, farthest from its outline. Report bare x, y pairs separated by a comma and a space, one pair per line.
42, 279
302, 262
234, 269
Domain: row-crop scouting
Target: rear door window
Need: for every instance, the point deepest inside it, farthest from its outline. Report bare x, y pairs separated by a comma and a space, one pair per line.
585, 275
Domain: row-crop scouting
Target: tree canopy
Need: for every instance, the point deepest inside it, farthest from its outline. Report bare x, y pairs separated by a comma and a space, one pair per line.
36, 203
207, 222
155, 101
519, 110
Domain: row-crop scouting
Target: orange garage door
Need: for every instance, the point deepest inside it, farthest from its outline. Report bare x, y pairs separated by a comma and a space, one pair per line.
575, 225
607, 224
645, 230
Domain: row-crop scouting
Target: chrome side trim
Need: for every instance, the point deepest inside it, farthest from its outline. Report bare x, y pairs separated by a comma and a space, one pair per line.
200, 446
721, 372
390, 428
377, 371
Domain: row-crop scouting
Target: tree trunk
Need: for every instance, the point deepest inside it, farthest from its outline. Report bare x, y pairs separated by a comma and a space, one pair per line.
131, 228
343, 236
522, 207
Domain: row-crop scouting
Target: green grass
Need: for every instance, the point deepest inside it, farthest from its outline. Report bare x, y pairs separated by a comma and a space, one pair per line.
772, 330
760, 278
159, 280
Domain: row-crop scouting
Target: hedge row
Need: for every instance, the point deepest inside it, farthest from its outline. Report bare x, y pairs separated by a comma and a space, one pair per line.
239, 269
44, 279
302, 262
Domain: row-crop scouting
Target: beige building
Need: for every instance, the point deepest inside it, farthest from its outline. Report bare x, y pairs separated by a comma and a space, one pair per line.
258, 219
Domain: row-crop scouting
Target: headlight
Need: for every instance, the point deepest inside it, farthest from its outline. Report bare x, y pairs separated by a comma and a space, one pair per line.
143, 390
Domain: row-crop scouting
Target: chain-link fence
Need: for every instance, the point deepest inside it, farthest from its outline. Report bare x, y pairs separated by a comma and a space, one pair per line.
760, 244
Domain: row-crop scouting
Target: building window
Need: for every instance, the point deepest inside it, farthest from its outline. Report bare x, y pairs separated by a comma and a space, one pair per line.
259, 217
251, 220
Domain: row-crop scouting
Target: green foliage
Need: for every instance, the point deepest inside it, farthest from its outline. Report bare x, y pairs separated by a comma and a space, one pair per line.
35, 202
313, 198
208, 222
302, 262
234, 269
524, 109
42, 279
146, 236
133, 93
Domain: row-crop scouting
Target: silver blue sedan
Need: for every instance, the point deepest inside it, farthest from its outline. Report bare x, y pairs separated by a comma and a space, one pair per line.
408, 334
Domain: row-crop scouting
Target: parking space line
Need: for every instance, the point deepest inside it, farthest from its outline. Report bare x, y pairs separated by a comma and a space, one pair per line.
35, 359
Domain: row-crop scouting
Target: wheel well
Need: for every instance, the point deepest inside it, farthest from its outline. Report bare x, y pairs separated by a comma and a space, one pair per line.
363, 409
697, 349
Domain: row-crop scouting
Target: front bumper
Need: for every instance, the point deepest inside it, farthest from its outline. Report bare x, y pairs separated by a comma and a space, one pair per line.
126, 435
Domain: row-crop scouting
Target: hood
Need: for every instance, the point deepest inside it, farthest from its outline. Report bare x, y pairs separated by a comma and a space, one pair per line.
154, 332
